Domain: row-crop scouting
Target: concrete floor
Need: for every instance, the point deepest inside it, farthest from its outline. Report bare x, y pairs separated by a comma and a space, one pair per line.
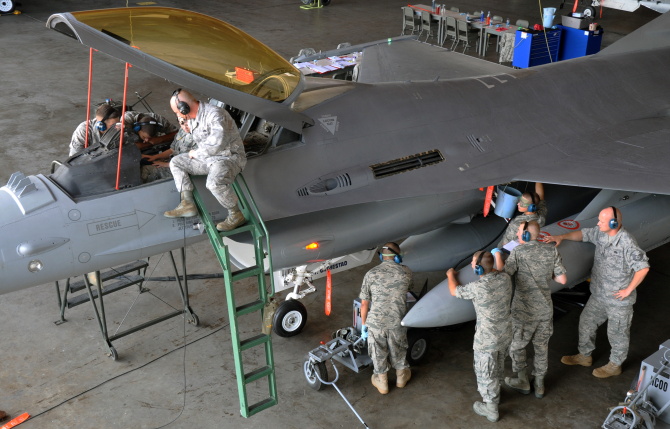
43, 98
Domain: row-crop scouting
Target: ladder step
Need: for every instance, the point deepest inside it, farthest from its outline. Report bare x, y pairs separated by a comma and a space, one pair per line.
249, 226
260, 406
121, 284
246, 272
249, 308
254, 341
256, 374
111, 274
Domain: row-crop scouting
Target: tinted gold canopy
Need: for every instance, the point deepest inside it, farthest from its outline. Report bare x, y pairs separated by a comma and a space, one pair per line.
199, 44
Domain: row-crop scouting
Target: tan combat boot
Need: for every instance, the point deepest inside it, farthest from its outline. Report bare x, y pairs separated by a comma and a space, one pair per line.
487, 409
381, 382
538, 384
520, 384
2, 415
607, 371
235, 218
577, 359
186, 207
402, 377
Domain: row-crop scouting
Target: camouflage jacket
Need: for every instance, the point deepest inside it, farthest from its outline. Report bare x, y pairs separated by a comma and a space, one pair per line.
532, 265
217, 136
132, 116
540, 216
182, 143
385, 287
78, 141
491, 295
614, 264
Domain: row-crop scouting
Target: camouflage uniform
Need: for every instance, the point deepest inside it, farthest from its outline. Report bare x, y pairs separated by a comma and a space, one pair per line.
491, 296
132, 116
220, 154
539, 216
385, 288
615, 262
532, 264
182, 143
78, 140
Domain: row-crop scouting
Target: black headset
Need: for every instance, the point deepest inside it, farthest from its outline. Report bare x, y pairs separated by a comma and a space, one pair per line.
182, 106
101, 126
397, 258
479, 270
137, 126
525, 235
614, 224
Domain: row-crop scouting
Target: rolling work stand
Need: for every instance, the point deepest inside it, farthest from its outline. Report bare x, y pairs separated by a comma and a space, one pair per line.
122, 278
258, 231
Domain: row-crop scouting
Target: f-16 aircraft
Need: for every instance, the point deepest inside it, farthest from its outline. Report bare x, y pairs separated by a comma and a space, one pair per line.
660, 6
346, 165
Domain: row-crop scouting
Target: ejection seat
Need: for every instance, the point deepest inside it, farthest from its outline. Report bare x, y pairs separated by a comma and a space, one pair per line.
93, 170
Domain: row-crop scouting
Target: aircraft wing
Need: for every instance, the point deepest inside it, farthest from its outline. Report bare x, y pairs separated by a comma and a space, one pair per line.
405, 60
197, 51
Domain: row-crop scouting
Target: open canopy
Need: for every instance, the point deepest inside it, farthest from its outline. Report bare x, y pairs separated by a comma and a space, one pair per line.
196, 51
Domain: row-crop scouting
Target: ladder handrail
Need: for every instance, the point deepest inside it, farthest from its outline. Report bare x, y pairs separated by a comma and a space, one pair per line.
267, 234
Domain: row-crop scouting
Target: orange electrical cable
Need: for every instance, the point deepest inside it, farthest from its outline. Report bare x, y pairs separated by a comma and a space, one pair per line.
123, 117
88, 105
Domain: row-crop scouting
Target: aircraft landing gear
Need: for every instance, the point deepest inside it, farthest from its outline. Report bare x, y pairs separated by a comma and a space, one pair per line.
589, 12
7, 6
290, 318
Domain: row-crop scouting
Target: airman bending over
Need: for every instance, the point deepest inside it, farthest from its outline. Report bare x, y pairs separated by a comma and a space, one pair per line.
491, 296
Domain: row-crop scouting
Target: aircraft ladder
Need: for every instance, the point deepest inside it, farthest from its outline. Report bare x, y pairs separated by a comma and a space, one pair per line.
257, 228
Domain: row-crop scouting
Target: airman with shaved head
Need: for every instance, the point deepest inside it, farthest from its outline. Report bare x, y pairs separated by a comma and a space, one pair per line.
219, 155
619, 266
533, 265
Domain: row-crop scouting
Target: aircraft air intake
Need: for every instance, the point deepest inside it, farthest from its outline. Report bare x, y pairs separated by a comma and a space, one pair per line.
407, 163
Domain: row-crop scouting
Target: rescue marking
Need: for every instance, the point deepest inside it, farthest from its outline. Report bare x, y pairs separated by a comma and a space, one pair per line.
329, 123
136, 219
543, 235
569, 224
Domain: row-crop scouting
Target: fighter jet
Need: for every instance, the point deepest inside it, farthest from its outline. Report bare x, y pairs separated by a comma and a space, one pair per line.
660, 6
347, 165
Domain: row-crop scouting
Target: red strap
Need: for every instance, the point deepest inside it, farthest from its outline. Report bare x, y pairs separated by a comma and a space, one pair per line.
487, 201
88, 106
574, 9
17, 421
601, 7
328, 293
123, 117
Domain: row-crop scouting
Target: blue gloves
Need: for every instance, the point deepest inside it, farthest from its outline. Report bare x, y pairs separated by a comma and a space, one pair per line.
494, 251
364, 332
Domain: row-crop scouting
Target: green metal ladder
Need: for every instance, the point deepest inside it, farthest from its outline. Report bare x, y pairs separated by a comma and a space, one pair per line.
259, 232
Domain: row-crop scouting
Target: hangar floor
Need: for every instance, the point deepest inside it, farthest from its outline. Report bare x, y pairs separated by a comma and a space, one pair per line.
44, 365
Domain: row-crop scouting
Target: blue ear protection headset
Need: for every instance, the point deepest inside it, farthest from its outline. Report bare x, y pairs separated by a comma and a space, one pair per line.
479, 270
614, 224
137, 126
182, 106
397, 259
525, 235
101, 126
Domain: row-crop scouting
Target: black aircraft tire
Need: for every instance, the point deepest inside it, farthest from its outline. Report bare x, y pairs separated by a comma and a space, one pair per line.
306, 1
418, 345
320, 368
589, 12
325, 2
290, 318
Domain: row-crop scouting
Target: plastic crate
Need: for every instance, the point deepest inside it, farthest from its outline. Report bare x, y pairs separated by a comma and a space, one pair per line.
572, 22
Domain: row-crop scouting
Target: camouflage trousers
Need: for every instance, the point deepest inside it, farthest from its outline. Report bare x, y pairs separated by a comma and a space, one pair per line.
151, 173
523, 333
618, 318
219, 177
489, 367
388, 346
